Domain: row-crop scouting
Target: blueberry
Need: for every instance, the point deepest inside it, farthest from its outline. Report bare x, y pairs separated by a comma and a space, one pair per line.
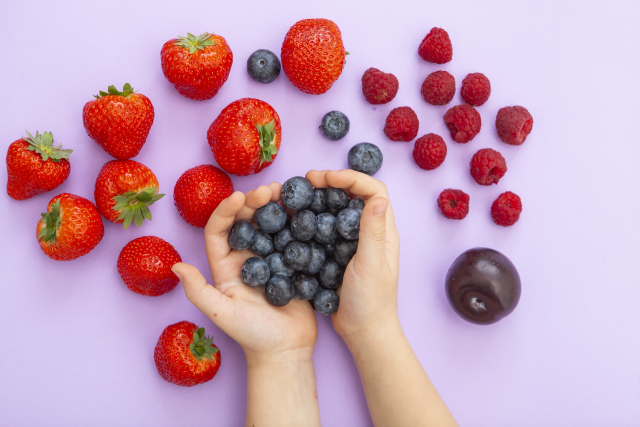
261, 244
318, 205
271, 217
279, 290
330, 275
297, 193
282, 239
326, 302
365, 158
255, 272
357, 203
305, 286
334, 211
348, 223
326, 228
336, 198
344, 251
278, 266
240, 235
330, 248
318, 257
335, 125
297, 255
263, 66
303, 225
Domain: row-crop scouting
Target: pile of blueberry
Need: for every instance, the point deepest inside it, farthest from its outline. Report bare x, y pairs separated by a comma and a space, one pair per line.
305, 258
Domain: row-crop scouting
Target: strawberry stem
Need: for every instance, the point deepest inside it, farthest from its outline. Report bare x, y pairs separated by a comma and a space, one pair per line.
194, 43
134, 207
126, 91
267, 137
51, 222
202, 346
43, 145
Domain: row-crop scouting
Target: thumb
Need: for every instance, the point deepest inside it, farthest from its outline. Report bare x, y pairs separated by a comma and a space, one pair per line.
213, 303
373, 228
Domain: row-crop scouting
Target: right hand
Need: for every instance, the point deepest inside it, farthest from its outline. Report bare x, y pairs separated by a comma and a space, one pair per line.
368, 296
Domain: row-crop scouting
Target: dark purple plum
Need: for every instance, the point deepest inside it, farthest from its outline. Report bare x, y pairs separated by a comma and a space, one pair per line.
482, 286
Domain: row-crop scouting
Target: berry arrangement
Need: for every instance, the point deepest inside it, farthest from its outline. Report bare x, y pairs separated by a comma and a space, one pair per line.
303, 244
305, 256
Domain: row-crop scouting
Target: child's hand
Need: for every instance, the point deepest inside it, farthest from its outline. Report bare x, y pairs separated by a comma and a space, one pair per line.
243, 313
368, 296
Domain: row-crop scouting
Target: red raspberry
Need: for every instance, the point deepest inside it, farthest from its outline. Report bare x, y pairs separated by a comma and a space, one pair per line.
429, 151
463, 122
488, 166
436, 47
438, 88
454, 204
379, 87
506, 209
475, 89
401, 125
514, 124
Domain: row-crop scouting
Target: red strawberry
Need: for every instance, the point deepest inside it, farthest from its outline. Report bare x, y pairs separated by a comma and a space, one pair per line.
145, 265
313, 55
197, 66
119, 121
124, 191
35, 166
245, 137
184, 356
199, 191
70, 228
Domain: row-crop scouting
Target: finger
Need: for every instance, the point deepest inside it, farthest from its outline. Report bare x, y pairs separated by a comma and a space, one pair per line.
316, 178
214, 304
371, 253
254, 199
217, 228
357, 183
276, 190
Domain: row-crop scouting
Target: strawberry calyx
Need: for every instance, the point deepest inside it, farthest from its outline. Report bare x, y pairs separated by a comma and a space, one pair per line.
51, 221
126, 91
194, 43
202, 346
267, 136
43, 145
134, 207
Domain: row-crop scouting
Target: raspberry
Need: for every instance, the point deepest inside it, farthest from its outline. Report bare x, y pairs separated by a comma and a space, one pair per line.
475, 89
488, 166
454, 204
464, 123
379, 87
436, 47
429, 151
506, 209
514, 124
401, 125
438, 88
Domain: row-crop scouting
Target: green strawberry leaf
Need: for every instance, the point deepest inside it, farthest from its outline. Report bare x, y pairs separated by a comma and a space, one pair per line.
267, 141
202, 346
126, 91
51, 221
43, 145
134, 207
194, 43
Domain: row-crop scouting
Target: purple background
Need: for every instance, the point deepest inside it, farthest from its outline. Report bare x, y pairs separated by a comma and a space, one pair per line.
76, 345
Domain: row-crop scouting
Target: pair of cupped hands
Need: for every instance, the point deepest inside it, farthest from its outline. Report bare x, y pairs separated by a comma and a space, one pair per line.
368, 296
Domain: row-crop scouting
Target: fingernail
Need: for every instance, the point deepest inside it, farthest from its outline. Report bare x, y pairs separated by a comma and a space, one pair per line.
176, 273
380, 209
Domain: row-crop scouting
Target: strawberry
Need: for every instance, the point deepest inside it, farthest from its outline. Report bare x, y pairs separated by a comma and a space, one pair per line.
145, 265
197, 66
313, 55
119, 121
245, 137
70, 228
35, 166
124, 191
199, 191
184, 356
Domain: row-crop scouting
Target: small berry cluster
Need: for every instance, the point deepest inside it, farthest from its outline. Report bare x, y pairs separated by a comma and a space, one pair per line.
305, 257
